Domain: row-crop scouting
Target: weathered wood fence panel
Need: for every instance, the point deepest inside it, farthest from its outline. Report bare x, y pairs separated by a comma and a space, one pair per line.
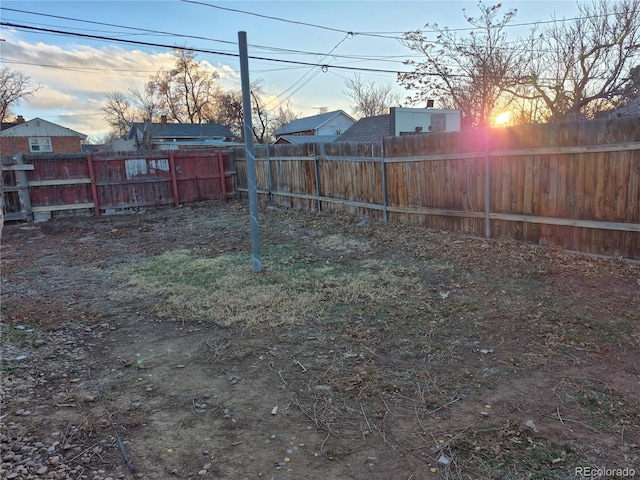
59, 182
574, 185
132, 181
112, 181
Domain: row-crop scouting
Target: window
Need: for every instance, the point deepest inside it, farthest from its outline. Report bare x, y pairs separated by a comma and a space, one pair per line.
438, 122
40, 144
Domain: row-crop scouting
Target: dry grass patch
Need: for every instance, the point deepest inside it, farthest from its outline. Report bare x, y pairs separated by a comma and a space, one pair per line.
294, 286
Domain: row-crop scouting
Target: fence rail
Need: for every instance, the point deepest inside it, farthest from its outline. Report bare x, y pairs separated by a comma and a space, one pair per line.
574, 185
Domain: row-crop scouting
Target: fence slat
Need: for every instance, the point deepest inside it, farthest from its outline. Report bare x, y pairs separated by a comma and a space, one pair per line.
547, 184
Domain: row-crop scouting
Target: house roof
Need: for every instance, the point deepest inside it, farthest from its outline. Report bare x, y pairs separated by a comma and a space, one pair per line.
181, 130
309, 138
631, 108
310, 123
6, 125
368, 129
38, 127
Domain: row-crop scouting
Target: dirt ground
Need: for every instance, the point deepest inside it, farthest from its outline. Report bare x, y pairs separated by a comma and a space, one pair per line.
362, 351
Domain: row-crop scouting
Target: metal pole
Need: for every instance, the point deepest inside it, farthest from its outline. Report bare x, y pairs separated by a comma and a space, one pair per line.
250, 159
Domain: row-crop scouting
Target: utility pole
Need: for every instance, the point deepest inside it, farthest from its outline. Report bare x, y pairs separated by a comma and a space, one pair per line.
250, 159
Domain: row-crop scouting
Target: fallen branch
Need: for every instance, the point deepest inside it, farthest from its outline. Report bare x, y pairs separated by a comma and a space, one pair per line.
125, 457
365, 418
297, 362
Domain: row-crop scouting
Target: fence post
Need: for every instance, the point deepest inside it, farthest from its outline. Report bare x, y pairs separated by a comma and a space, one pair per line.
94, 188
384, 183
487, 189
233, 165
24, 193
270, 174
223, 178
317, 172
372, 194
174, 179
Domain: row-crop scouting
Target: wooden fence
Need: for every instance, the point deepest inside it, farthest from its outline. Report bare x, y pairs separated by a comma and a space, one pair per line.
574, 185
105, 182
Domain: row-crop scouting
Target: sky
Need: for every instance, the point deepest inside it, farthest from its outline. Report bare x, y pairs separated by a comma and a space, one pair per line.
348, 37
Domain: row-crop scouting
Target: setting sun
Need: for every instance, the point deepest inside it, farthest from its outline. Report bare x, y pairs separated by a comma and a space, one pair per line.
503, 119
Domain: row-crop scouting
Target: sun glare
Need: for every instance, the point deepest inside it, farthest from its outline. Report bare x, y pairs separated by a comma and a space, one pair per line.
503, 119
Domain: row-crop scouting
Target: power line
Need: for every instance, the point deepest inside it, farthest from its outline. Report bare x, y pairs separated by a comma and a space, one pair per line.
199, 50
158, 32
295, 22
387, 59
305, 82
324, 67
102, 71
172, 34
388, 35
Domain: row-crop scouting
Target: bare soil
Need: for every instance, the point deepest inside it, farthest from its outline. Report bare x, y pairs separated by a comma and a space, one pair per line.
375, 351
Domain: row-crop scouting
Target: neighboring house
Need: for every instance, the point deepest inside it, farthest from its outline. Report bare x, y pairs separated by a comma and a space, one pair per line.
174, 136
368, 130
630, 109
38, 136
284, 139
328, 123
93, 148
402, 121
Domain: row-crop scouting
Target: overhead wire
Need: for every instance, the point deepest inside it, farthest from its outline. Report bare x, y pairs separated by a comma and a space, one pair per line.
323, 66
193, 49
101, 71
301, 64
311, 77
126, 27
389, 35
272, 49
269, 17
280, 50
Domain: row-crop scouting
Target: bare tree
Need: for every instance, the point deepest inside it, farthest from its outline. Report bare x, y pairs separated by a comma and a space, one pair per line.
281, 116
103, 138
123, 109
264, 120
228, 111
581, 66
189, 93
261, 116
119, 113
370, 99
631, 88
473, 73
14, 88
185, 92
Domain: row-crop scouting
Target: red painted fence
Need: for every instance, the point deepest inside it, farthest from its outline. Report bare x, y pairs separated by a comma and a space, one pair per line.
107, 182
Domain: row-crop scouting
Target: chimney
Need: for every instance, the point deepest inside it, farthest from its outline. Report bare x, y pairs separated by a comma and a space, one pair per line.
20, 119
163, 119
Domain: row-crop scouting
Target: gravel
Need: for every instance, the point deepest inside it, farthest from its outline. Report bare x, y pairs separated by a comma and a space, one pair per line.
43, 371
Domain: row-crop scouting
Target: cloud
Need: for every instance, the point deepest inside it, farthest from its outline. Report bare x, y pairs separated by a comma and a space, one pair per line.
226, 71
47, 98
74, 79
82, 68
